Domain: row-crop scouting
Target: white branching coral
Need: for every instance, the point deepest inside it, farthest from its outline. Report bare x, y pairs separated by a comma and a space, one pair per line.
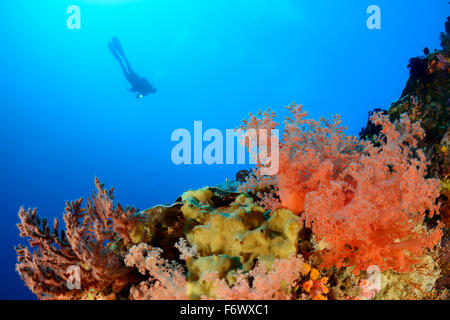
186, 251
166, 281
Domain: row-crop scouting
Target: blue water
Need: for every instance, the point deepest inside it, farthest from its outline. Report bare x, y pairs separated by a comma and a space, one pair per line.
66, 116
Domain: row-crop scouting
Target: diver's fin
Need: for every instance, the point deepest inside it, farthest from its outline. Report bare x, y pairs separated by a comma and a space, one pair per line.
116, 43
113, 51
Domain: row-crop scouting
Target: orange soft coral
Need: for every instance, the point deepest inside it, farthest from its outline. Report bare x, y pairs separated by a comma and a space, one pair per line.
365, 201
311, 153
373, 212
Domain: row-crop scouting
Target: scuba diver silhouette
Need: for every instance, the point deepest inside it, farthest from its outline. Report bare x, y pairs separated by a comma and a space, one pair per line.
140, 85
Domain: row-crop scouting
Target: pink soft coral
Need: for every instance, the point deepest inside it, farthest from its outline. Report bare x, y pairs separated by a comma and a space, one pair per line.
365, 201
167, 280
276, 284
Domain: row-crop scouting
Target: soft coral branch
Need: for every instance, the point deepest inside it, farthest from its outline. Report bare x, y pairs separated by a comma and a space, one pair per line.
44, 270
87, 242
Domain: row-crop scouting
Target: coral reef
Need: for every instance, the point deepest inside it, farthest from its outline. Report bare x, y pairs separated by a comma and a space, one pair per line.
344, 218
417, 284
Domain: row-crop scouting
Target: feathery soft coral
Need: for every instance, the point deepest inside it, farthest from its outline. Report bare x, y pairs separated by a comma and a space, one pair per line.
85, 243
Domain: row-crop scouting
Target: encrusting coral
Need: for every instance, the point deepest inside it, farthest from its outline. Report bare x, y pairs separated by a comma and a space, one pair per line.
343, 218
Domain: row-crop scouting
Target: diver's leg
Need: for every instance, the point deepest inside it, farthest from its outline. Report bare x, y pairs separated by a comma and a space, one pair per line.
130, 70
118, 48
114, 52
116, 43
126, 73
